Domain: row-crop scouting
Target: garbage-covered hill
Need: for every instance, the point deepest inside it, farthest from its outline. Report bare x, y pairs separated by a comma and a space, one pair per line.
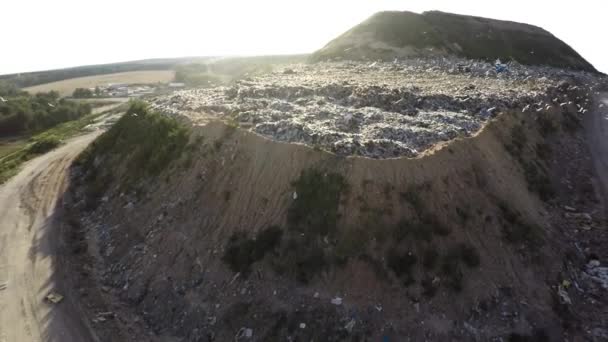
379, 110
387, 35
192, 220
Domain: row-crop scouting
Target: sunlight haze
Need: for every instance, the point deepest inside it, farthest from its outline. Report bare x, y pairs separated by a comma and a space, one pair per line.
41, 35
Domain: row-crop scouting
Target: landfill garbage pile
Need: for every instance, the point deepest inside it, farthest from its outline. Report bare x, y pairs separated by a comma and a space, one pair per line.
377, 110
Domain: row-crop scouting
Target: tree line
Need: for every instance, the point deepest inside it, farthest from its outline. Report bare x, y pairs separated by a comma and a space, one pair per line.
22, 113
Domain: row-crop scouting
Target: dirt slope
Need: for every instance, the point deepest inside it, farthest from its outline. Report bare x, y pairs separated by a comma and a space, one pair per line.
597, 129
355, 228
30, 252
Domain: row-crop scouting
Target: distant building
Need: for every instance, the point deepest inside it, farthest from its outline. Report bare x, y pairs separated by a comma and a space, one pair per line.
116, 86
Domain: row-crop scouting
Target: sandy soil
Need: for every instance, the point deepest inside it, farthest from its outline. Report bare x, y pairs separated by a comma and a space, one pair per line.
30, 252
66, 87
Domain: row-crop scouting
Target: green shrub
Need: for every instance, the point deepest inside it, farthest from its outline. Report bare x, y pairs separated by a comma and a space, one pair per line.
301, 258
241, 252
401, 263
44, 145
351, 243
452, 272
518, 139
24, 113
82, 93
315, 211
146, 140
544, 151
516, 230
538, 180
546, 126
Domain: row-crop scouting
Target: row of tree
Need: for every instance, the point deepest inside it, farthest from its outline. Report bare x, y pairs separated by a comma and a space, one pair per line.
22, 113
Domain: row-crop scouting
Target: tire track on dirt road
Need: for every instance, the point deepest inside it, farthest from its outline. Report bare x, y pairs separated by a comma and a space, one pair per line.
29, 252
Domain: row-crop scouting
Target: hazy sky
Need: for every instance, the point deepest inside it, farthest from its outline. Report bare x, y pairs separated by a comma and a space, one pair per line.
47, 34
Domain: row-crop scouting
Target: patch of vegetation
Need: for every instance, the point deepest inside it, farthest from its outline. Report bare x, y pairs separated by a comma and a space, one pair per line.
315, 211
22, 113
426, 224
82, 93
518, 141
544, 151
146, 140
351, 244
536, 176
546, 126
44, 145
515, 230
402, 264
241, 251
302, 258
452, 272
538, 180
451, 264
39, 144
412, 197
570, 122
465, 36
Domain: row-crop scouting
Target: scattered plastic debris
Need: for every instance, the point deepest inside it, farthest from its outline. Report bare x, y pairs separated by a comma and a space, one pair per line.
244, 333
336, 301
54, 297
350, 325
103, 316
563, 295
393, 112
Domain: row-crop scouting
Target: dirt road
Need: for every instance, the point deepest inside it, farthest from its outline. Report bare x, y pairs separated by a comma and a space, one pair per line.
597, 133
30, 252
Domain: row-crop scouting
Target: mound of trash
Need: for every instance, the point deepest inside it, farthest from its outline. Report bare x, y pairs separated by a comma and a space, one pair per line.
377, 110
390, 34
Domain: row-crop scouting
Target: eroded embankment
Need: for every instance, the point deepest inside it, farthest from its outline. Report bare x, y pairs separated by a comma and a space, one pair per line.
208, 231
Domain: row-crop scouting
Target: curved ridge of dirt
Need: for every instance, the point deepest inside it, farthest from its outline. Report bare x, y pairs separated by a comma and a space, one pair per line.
178, 227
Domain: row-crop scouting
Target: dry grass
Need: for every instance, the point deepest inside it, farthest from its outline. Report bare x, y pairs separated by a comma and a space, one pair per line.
66, 87
9, 146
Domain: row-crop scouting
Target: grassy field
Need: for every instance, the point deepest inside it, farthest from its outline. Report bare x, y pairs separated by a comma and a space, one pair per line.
10, 146
66, 87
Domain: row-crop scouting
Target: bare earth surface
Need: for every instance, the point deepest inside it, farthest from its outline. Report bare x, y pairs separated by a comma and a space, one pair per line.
29, 259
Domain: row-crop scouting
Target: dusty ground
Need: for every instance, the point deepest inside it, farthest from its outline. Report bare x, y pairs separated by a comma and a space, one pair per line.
67, 87
33, 249
30, 252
